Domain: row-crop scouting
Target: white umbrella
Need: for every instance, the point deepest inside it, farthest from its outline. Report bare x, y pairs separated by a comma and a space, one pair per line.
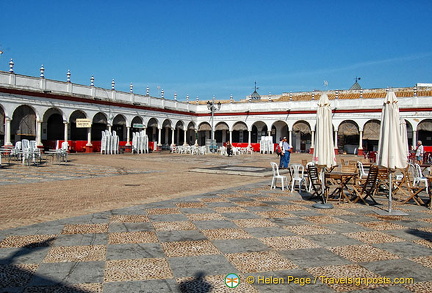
404, 135
391, 149
324, 147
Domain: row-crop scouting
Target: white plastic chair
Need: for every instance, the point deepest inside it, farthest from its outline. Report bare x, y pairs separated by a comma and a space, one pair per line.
362, 173
297, 175
17, 150
276, 176
419, 178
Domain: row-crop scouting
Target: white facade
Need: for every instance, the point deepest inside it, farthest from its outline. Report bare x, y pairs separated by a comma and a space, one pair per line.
173, 121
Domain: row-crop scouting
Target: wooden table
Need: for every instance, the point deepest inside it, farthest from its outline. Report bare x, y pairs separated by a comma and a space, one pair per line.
341, 179
424, 166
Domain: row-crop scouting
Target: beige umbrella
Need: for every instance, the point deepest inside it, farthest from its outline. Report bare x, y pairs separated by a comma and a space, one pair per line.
404, 136
324, 147
391, 148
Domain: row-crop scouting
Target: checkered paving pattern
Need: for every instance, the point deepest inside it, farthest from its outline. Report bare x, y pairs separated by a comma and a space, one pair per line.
190, 245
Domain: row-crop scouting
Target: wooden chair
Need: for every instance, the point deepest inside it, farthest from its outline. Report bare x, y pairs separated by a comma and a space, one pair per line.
414, 188
315, 183
368, 187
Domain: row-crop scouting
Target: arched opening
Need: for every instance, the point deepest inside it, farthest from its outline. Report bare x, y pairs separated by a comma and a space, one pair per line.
371, 132
301, 136
77, 133
119, 126
259, 129
23, 125
221, 132
191, 135
179, 133
99, 124
204, 132
166, 134
280, 129
240, 133
152, 128
54, 127
348, 137
424, 132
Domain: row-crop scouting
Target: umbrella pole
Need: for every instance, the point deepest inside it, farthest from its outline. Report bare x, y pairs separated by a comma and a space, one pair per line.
390, 211
390, 193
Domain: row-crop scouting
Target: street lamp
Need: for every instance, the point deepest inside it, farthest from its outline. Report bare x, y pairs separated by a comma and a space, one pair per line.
213, 107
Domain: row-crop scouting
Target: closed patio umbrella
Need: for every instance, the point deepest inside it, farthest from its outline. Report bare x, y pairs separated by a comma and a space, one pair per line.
324, 147
323, 153
404, 136
391, 149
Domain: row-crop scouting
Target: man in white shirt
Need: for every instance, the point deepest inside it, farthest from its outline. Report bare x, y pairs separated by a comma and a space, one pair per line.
419, 152
286, 153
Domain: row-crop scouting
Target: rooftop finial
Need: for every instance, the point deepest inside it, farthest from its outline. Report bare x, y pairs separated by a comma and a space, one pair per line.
42, 72
11, 66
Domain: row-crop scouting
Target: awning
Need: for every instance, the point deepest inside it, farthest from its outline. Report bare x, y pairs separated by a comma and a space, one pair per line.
240, 127
348, 128
302, 127
371, 130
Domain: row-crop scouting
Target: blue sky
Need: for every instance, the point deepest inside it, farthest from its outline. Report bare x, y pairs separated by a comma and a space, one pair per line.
218, 48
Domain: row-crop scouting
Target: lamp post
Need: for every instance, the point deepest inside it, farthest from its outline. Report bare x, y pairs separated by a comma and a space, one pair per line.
213, 107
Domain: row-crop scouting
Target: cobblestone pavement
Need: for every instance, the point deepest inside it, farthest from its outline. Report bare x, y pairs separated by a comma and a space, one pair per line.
273, 240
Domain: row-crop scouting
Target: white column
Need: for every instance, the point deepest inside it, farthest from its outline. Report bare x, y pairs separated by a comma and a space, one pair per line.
172, 135
230, 136
249, 138
336, 139
361, 141
39, 133
290, 137
89, 138
159, 136
184, 136
414, 140
196, 136
128, 136
109, 128
7, 134
65, 138
313, 140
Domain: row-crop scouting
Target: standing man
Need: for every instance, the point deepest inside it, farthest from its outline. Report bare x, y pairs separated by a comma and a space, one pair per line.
419, 152
286, 153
